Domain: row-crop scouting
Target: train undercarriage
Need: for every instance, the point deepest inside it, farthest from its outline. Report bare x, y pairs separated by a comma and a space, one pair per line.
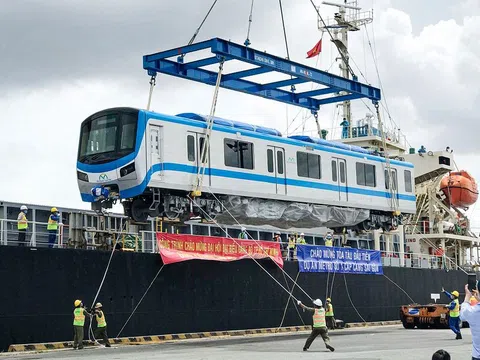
228, 210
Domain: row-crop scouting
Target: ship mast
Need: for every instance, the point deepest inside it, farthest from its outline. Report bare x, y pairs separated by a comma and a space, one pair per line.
339, 26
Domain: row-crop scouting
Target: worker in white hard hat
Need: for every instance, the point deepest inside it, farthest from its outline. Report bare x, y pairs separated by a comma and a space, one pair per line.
22, 225
301, 239
319, 326
78, 323
243, 233
329, 239
101, 330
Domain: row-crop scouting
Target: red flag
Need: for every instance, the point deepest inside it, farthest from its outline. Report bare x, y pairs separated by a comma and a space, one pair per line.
316, 50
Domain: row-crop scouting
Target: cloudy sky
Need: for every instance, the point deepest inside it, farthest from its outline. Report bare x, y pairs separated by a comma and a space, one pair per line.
63, 60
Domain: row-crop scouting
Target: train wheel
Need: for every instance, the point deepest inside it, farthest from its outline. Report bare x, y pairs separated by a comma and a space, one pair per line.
139, 210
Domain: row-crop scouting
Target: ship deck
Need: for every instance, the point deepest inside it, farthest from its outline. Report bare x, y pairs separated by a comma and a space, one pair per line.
385, 342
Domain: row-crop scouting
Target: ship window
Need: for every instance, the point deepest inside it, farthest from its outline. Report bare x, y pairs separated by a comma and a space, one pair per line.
334, 171
394, 179
270, 160
366, 174
191, 148
308, 165
280, 162
238, 154
408, 181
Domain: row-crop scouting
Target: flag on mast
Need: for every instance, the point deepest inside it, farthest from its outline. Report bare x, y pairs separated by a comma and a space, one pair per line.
315, 50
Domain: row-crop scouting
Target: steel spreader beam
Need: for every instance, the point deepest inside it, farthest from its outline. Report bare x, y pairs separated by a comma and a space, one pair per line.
264, 63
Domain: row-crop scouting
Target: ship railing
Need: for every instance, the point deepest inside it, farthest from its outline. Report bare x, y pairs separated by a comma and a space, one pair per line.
36, 235
357, 132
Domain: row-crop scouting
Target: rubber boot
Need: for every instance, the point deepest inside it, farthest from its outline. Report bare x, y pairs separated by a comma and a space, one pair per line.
331, 348
459, 336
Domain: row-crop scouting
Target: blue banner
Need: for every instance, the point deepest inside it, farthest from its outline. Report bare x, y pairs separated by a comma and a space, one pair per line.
313, 258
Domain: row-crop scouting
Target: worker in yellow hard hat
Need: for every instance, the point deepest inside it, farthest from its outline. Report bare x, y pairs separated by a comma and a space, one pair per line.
101, 330
52, 226
78, 322
454, 314
329, 316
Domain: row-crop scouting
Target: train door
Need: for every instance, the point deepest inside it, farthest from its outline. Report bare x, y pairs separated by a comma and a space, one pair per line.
195, 143
339, 175
154, 156
276, 166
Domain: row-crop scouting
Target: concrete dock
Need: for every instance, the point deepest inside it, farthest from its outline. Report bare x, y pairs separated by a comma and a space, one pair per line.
372, 343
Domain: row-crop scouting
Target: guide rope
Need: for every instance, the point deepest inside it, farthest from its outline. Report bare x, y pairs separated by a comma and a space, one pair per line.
394, 283
256, 241
351, 301
246, 252
288, 300
136, 307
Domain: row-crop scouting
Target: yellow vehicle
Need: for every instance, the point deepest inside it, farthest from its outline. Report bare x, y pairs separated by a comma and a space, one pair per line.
433, 316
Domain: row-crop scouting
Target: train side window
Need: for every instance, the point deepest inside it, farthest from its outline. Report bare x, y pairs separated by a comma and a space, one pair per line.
334, 171
342, 172
280, 162
238, 154
191, 148
366, 174
270, 160
309, 165
408, 181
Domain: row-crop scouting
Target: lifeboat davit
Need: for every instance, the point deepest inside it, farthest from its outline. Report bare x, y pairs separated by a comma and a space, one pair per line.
460, 189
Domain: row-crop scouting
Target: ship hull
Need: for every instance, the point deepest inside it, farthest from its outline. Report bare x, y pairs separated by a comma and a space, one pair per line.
40, 286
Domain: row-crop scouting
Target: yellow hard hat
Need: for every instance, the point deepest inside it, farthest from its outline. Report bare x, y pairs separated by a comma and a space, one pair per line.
328, 299
98, 305
54, 209
455, 293
77, 303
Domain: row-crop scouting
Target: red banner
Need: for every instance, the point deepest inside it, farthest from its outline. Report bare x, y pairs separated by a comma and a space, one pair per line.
180, 247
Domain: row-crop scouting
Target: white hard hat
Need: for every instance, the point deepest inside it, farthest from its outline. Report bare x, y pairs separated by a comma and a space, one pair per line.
98, 305
243, 228
317, 302
301, 234
23, 207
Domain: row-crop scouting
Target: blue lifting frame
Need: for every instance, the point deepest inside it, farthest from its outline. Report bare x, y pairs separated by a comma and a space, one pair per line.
223, 50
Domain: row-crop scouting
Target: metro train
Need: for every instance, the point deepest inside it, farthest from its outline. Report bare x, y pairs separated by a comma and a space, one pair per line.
149, 162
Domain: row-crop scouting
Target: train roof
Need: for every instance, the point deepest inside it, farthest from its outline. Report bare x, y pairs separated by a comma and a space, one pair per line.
274, 132
231, 123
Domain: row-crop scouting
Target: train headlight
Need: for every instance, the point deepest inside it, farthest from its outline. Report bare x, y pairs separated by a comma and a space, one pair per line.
127, 169
82, 176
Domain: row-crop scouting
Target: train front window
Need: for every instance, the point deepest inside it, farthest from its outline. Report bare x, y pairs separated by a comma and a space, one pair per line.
106, 138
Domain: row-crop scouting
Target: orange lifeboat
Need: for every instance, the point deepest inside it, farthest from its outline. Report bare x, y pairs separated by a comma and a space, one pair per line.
460, 189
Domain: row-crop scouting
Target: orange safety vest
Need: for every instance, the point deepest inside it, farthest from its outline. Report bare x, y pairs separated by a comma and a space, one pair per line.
319, 318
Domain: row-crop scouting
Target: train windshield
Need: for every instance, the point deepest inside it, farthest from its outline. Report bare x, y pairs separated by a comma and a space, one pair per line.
107, 137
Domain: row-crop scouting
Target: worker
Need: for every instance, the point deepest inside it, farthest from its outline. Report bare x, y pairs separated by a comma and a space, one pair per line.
291, 246
329, 240
441, 355
277, 237
329, 316
22, 225
52, 226
78, 322
345, 125
454, 307
471, 314
319, 326
301, 239
243, 234
101, 330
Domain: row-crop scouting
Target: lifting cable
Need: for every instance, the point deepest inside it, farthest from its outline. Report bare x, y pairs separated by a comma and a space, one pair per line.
351, 301
180, 58
247, 40
204, 151
246, 252
284, 30
256, 241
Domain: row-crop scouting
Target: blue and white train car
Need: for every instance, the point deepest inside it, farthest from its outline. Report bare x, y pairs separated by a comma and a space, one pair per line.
149, 161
